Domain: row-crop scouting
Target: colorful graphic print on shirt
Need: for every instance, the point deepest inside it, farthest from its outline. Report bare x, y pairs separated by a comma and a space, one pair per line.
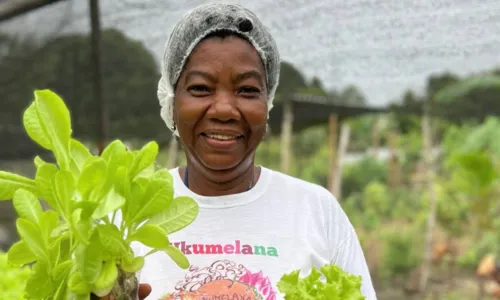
224, 279
236, 248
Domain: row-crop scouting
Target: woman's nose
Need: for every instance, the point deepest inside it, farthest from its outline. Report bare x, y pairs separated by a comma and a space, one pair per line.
224, 107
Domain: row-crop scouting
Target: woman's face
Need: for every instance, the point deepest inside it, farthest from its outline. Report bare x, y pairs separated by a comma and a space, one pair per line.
220, 107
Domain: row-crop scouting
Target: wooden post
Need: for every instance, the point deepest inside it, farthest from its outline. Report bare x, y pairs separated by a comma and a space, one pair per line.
333, 121
484, 271
394, 168
173, 150
286, 136
376, 137
345, 132
101, 104
431, 194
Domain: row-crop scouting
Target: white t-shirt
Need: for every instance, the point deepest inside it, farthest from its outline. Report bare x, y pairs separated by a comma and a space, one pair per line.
240, 245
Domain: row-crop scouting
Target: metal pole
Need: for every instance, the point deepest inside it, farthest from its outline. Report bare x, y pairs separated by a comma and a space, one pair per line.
101, 104
12, 9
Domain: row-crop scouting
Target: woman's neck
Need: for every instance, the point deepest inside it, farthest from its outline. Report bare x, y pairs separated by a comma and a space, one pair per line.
219, 183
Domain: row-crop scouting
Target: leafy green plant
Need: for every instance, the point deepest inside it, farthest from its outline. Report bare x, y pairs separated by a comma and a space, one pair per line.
330, 282
476, 177
99, 206
400, 252
12, 279
358, 175
487, 243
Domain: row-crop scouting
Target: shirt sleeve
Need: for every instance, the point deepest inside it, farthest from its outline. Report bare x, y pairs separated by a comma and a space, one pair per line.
350, 257
346, 251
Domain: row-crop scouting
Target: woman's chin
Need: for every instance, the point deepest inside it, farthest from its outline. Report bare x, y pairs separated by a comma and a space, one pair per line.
220, 162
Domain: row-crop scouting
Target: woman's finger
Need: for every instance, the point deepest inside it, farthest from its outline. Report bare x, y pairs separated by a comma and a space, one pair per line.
144, 290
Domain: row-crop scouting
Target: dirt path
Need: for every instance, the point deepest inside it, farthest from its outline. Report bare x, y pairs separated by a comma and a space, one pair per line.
463, 288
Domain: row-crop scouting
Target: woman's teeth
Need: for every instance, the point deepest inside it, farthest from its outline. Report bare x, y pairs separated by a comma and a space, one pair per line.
222, 137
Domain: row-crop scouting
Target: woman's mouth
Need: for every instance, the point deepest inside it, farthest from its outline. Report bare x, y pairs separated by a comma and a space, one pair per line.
222, 137
221, 140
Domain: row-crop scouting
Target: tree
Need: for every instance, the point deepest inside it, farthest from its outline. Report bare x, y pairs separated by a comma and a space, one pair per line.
130, 79
17, 79
351, 95
471, 160
473, 98
315, 88
406, 123
437, 82
291, 81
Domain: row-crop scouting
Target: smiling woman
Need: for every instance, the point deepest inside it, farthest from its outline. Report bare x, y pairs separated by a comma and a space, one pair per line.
220, 111
219, 75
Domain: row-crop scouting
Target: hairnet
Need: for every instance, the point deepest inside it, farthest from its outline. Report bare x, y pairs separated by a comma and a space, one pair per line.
193, 28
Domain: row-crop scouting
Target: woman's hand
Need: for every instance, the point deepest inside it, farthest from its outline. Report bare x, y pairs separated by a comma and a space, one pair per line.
144, 291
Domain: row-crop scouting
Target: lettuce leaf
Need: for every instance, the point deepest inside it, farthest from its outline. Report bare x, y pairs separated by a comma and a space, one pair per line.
328, 283
12, 279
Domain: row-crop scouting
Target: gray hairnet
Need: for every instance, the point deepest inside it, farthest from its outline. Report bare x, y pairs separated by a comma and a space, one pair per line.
197, 25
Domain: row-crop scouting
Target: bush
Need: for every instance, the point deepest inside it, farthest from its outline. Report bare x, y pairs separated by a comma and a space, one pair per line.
400, 251
405, 204
489, 243
377, 199
358, 175
316, 168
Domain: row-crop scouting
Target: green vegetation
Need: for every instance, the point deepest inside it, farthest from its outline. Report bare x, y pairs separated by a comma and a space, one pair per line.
328, 283
12, 279
390, 215
99, 205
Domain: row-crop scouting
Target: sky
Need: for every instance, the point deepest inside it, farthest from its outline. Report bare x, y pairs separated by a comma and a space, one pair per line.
383, 47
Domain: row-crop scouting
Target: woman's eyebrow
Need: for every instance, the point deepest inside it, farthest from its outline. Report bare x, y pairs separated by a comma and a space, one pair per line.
194, 73
250, 74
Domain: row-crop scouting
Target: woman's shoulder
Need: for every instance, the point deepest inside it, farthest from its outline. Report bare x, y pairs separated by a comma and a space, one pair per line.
300, 188
313, 200
299, 183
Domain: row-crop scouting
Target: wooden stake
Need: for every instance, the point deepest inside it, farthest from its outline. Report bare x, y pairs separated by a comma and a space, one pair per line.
345, 132
431, 194
286, 137
333, 121
376, 137
394, 171
173, 150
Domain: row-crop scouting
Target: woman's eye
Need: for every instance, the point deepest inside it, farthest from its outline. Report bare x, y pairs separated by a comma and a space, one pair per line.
199, 90
249, 91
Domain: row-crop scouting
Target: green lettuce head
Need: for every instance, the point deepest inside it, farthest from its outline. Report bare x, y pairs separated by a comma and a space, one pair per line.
328, 283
